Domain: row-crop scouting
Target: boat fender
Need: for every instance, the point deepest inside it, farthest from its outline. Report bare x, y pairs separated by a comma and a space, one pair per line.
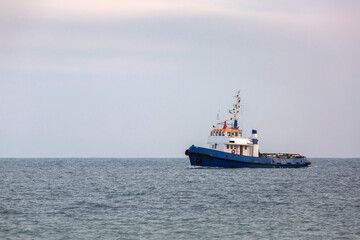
187, 152
233, 151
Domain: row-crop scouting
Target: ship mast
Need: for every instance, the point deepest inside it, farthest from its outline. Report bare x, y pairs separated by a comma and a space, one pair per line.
235, 110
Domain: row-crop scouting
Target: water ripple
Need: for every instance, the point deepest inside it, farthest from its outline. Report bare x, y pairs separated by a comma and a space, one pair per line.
167, 199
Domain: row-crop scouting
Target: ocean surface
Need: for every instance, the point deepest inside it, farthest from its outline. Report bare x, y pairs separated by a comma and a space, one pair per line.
167, 199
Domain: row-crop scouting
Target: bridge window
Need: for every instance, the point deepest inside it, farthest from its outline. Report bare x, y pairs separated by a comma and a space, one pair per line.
228, 134
245, 147
227, 146
236, 134
232, 134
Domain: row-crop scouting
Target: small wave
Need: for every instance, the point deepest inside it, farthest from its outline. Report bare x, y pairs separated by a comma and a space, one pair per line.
5, 211
196, 167
203, 167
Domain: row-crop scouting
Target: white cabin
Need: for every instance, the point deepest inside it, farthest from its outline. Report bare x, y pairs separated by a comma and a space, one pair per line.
230, 139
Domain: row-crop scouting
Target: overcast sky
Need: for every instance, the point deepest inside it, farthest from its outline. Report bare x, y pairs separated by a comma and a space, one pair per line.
141, 78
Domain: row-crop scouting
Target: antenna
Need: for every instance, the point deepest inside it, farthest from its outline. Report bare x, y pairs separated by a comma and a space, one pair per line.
235, 110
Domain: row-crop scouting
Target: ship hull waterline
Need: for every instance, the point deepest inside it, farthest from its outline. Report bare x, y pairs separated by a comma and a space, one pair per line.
204, 157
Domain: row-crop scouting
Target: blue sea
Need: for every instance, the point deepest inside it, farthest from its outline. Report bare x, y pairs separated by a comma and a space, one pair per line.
167, 199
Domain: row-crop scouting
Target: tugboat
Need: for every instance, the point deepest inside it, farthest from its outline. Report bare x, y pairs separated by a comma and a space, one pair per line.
228, 148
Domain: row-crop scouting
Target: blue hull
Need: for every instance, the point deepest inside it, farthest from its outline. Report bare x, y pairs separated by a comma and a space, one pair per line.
212, 158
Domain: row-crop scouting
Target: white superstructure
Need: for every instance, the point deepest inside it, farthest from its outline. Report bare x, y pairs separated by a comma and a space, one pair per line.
230, 138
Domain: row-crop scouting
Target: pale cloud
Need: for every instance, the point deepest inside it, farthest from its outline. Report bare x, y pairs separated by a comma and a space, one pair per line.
105, 66
320, 18
288, 56
105, 9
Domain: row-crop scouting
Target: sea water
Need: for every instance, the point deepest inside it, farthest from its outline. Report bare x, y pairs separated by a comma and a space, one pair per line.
167, 199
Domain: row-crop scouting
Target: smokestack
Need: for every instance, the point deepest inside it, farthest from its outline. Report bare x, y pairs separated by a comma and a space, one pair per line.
254, 134
255, 143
